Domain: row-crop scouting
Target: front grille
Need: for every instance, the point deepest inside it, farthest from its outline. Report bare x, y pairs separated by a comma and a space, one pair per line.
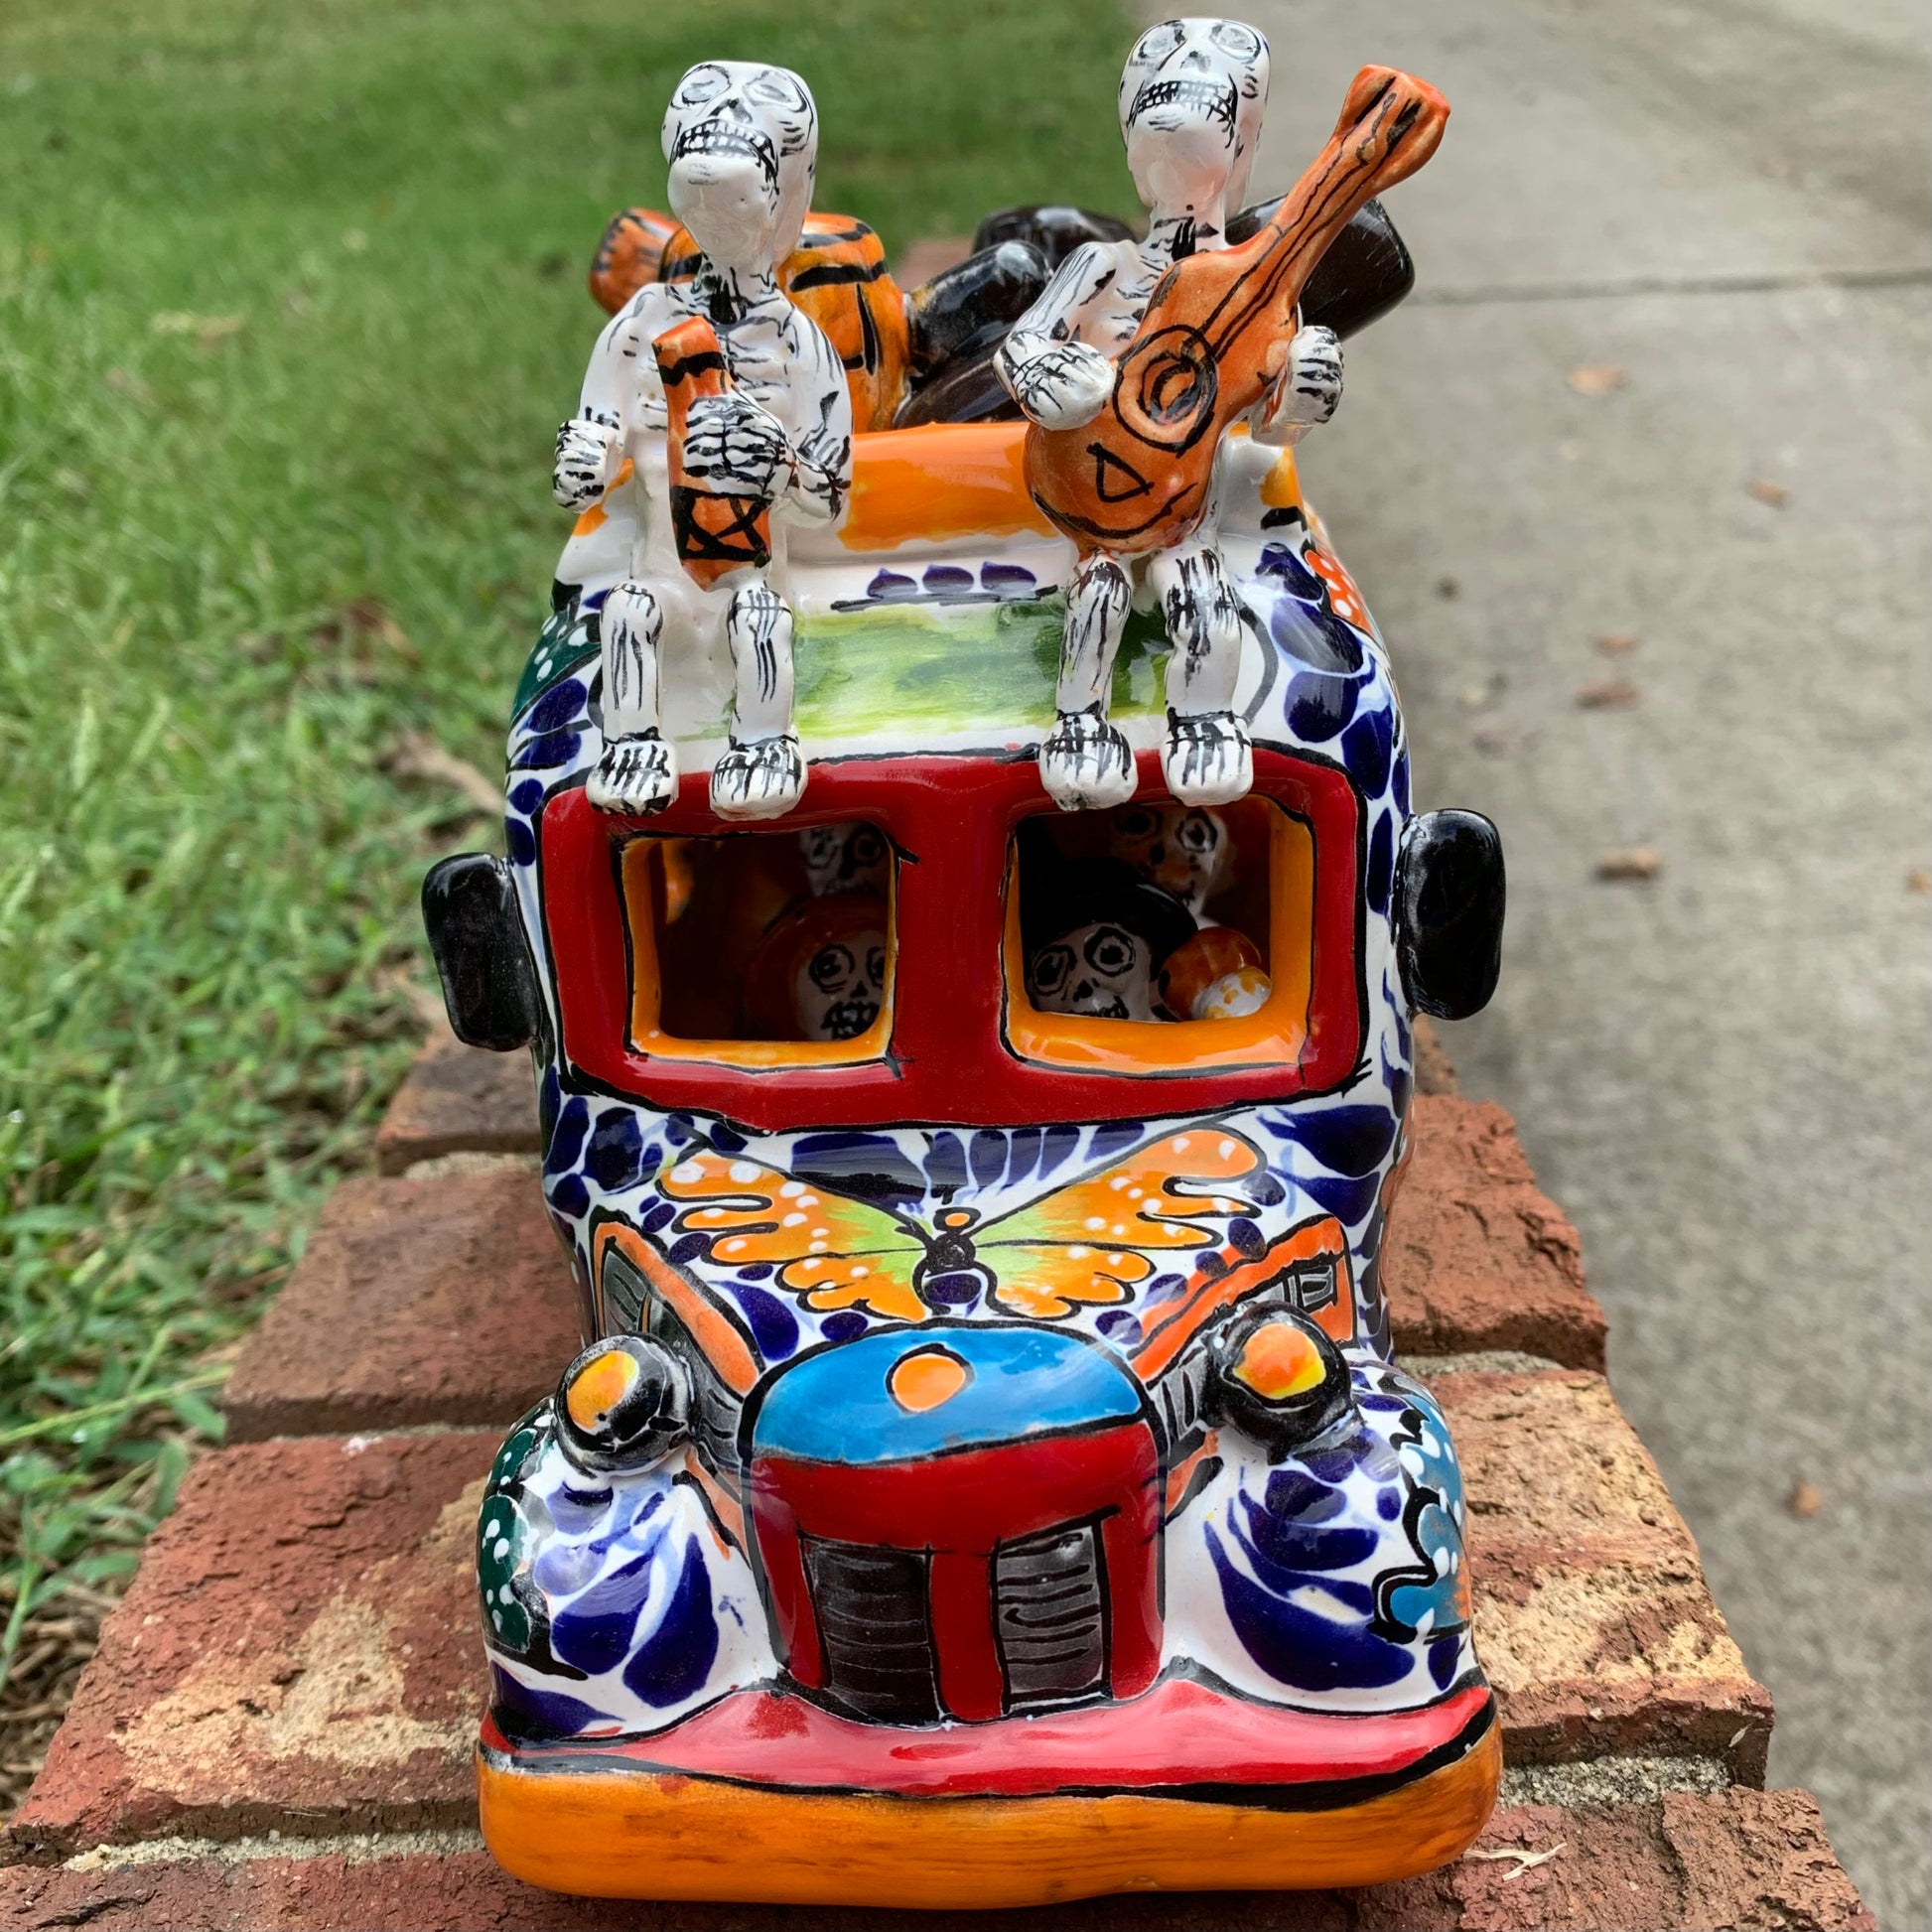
1049, 1615
871, 1606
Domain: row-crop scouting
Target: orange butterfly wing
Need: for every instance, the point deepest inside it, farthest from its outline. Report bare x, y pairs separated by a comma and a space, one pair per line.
830, 1250
1091, 1242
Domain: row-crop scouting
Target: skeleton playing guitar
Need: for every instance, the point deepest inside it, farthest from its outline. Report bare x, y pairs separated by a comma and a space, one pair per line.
1135, 478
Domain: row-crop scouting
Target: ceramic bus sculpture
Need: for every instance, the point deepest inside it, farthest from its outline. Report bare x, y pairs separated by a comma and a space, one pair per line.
986, 1480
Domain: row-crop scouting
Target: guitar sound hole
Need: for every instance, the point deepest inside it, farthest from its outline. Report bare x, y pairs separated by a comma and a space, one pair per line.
1173, 388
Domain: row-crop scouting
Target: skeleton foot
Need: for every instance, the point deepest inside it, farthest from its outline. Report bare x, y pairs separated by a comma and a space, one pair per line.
762, 780
1207, 759
1086, 763
636, 775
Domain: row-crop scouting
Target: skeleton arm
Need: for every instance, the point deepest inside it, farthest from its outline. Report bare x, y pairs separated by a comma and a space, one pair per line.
621, 397
1057, 380
1305, 393
822, 474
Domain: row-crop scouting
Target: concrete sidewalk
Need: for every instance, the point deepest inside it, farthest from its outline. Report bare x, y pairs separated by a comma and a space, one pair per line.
1722, 1070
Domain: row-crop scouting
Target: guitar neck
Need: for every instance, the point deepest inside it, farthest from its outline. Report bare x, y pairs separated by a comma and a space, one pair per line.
1390, 125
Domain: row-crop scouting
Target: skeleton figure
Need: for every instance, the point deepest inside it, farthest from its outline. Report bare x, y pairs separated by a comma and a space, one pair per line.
741, 142
1182, 849
1096, 942
839, 989
821, 971
847, 856
1191, 100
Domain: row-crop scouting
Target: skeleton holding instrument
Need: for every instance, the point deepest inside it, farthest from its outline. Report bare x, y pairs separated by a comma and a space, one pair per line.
770, 436
1191, 100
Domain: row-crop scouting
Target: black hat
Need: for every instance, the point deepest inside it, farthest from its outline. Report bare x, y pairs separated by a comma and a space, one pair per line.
1056, 899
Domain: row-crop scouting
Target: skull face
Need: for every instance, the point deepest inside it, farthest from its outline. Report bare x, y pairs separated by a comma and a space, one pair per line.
837, 992
849, 857
742, 143
1182, 849
1191, 98
1102, 970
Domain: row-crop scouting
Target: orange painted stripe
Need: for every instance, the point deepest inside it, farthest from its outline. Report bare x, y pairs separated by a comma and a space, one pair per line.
1322, 1237
724, 1348
939, 482
647, 1834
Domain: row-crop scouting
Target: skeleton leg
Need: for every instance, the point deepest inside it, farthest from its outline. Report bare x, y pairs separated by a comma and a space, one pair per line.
1207, 759
637, 773
762, 773
1085, 763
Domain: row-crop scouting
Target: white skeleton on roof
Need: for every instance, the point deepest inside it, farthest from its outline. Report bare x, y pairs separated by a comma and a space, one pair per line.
742, 140
1191, 98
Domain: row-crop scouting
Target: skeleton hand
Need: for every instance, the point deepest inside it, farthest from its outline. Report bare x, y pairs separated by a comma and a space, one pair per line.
733, 444
1309, 388
589, 455
1059, 385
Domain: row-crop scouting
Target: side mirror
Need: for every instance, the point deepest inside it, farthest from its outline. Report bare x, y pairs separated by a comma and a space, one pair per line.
489, 985
1448, 913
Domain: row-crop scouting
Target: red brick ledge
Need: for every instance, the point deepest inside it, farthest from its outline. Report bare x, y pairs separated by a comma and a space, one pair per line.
1736, 1858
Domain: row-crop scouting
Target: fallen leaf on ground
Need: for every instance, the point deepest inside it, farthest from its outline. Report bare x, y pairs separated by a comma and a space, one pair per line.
1919, 880
1596, 378
1806, 1499
1607, 694
416, 755
1767, 491
1522, 1861
1447, 588
1634, 861
1616, 643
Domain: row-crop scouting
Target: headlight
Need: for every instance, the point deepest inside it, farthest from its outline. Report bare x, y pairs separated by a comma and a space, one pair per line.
1278, 1378
623, 1404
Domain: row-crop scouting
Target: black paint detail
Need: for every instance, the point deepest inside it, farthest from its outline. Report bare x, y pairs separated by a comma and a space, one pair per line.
490, 987
735, 538
1286, 1422
874, 1629
1115, 481
1449, 894
705, 361
640, 1427
973, 393
963, 314
1365, 273
1049, 1615
1056, 230
831, 274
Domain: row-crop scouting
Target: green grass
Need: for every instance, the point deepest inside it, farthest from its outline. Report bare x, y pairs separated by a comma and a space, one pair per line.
291, 299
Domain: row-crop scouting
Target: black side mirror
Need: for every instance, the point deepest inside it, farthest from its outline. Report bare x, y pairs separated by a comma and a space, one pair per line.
488, 984
1448, 913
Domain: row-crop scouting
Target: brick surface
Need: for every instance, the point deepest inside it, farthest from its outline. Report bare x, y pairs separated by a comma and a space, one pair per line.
1593, 1620
436, 1301
298, 1651
1743, 1859
1477, 1255
457, 1100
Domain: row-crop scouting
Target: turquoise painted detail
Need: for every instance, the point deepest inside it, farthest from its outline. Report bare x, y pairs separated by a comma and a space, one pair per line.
836, 1407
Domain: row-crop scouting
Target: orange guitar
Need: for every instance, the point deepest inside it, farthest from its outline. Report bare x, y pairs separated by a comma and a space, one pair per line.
1135, 478
715, 531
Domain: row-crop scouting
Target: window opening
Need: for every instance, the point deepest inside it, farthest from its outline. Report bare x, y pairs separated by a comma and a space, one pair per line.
1158, 929
745, 945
